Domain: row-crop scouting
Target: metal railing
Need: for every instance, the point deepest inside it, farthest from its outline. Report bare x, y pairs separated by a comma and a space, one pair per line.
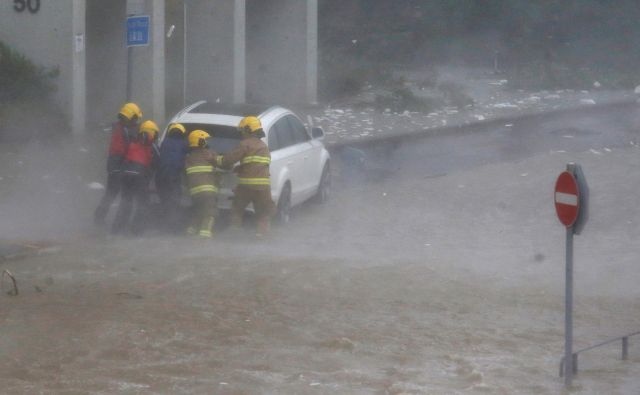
625, 351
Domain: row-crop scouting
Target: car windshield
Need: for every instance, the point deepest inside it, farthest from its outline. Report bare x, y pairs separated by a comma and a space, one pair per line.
223, 138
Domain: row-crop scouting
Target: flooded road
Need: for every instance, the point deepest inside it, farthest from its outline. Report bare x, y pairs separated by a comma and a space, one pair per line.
422, 280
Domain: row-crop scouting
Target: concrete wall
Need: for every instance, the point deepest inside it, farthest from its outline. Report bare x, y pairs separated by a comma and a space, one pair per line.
258, 50
215, 66
174, 50
281, 51
106, 60
48, 38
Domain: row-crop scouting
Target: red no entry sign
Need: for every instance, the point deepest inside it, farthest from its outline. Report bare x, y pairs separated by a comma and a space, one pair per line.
567, 198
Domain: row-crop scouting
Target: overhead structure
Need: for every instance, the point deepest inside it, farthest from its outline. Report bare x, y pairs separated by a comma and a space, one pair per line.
231, 51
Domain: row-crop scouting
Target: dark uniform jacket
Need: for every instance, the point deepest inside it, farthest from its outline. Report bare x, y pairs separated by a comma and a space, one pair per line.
172, 153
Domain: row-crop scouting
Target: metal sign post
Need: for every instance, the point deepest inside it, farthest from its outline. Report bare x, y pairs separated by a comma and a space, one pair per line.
137, 35
570, 197
568, 310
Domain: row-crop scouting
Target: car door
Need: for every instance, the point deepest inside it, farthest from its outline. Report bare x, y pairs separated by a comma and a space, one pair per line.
287, 155
309, 175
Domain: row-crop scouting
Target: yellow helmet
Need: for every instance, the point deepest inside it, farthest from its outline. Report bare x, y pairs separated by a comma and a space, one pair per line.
250, 124
150, 129
179, 127
198, 138
131, 111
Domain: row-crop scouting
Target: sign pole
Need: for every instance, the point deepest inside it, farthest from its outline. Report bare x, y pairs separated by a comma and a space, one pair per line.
137, 35
129, 71
568, 311
571, 199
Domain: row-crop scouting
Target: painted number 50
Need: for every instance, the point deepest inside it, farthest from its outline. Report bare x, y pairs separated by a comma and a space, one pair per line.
32, 5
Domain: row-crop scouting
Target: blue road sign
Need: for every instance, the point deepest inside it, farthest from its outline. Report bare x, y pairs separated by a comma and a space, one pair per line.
138, 30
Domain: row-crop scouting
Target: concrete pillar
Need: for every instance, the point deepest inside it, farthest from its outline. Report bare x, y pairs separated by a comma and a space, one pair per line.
78, 78
157, 38
239, 51
282, 51
106, 59
312, 51
148, 62
215, 50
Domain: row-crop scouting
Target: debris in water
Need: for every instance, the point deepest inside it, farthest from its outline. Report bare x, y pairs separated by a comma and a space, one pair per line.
504, 105
595, 152
341, 343
95, 185
14, 291
128, 295
587, 101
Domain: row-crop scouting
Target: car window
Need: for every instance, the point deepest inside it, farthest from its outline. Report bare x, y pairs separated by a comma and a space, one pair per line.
299, 131
223, 138
273, 140
284, 133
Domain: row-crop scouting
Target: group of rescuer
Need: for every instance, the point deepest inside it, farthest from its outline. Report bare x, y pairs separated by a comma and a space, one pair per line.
135, 160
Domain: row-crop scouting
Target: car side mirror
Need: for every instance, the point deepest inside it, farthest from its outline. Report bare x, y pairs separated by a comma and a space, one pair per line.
317, 133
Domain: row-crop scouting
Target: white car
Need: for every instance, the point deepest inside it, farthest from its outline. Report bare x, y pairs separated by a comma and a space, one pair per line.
299, 161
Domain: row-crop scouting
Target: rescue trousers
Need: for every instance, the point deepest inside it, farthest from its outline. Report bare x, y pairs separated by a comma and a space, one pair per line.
262, 204
169, 186
114, 182
203, 214
135, 199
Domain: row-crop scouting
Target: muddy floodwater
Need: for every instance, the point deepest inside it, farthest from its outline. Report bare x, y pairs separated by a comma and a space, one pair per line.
407, 283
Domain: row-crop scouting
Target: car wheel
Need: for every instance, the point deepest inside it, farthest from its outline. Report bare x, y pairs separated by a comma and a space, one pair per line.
325, 185
284, 205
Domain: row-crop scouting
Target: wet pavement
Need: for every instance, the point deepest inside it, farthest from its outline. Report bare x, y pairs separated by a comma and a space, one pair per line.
435, 268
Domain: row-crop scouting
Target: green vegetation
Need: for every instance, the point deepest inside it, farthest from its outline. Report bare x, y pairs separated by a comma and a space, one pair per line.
26, 106
21, 79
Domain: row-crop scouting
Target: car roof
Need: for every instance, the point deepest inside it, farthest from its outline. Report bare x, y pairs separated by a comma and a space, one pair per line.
241, 110
227, 114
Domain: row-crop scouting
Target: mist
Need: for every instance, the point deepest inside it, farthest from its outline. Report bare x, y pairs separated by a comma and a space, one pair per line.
437, 264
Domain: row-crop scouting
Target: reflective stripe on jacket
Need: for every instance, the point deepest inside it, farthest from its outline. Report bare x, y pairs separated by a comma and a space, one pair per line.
200, 170
254, 157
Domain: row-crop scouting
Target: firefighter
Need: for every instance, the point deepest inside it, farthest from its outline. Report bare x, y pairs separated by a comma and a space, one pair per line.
203, 184
122, 132
254, 184
173, 150
137, 169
